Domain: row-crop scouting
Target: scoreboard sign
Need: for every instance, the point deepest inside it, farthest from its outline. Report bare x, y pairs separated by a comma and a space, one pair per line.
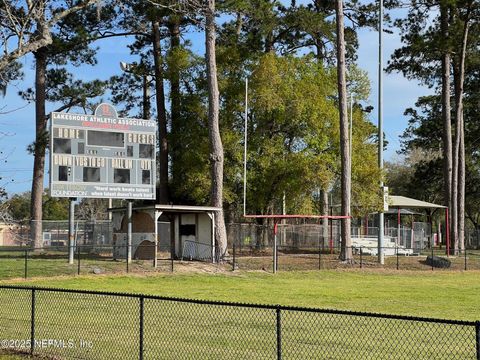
102, 155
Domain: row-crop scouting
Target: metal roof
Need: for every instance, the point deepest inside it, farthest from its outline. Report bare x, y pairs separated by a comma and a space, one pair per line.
407, 203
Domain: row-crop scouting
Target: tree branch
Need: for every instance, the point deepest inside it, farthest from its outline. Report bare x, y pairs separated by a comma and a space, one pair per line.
44, 38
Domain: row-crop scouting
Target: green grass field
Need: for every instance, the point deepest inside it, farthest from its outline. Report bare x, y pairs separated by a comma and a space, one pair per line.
198, 331
451, 295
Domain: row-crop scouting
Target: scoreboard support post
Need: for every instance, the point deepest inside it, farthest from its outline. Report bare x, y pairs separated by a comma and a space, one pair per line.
129, 232
71, 230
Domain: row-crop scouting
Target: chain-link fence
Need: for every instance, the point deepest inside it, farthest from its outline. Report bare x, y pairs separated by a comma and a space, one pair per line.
395, 258
55, 233
82, 259
303, 246
253, 238
316, 247
73, 324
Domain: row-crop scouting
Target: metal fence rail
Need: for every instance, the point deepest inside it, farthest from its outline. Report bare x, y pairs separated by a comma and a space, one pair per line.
75, 324
320, 257
16, 262
54, 260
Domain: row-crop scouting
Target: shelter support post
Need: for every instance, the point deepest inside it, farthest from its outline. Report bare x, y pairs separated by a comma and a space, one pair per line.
211, 215
381, 258
155, 251
71, 231
129, 232
330, 244
398, 227
275, 259
447, 231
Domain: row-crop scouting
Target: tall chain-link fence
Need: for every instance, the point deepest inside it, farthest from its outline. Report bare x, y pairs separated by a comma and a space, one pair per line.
72, 324
303, 246
317, 247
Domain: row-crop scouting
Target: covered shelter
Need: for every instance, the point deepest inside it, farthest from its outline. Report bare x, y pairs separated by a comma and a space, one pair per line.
402, 204
180, 230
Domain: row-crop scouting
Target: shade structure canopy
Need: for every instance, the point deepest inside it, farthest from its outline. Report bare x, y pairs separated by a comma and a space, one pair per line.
403, 202
401, 211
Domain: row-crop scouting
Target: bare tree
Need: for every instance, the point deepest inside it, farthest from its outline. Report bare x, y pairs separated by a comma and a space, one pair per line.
19, 25
93, 209
346, 245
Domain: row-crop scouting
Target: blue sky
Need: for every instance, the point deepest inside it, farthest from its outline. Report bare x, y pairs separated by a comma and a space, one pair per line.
17, 127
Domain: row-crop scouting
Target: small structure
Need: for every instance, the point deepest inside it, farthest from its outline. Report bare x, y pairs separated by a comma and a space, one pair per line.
177, 231
401, 203
12, 235
399, 239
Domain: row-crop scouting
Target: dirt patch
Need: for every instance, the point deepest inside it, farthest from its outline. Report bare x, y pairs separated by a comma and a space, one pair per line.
17, 355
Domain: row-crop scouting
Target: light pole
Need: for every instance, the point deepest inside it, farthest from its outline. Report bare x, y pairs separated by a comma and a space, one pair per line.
351, 133
140, 70
381, 258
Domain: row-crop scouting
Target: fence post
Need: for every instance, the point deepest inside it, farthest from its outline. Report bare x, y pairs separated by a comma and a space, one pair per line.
432, 258
432, 255
465, 255
126, 257
234, 259
78, 259
279, 334
397, 257
141, 327
32, 323
275, 254
26, 264
361, 257
319, 258
477, 338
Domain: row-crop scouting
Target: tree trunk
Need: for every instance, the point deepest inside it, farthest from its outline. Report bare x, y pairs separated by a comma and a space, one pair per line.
346, 244
175, 100
461, 189
216, 147
456, 149
162, 117
460, 244
36, 213
446, 110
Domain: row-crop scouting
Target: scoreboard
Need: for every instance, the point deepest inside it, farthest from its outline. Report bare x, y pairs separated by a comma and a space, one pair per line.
102, 155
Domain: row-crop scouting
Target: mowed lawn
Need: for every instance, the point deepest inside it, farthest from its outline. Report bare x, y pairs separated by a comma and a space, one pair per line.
440, 294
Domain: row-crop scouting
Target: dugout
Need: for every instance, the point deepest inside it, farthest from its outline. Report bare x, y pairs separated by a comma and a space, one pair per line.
176, 231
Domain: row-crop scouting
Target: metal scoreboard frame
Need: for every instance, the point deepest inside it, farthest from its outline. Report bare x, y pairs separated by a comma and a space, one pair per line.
102, 155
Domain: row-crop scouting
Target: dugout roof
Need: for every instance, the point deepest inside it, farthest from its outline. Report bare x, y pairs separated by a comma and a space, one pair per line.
403, 202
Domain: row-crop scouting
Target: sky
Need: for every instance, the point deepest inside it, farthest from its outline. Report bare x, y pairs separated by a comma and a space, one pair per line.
17, 118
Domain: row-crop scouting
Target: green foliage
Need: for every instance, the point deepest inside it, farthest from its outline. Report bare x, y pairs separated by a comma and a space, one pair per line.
53, 208
294, 138
293, 146
19, 206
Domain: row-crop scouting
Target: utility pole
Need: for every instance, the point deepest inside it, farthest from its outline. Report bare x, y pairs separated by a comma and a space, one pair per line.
381, 258
351, 137
245, 151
